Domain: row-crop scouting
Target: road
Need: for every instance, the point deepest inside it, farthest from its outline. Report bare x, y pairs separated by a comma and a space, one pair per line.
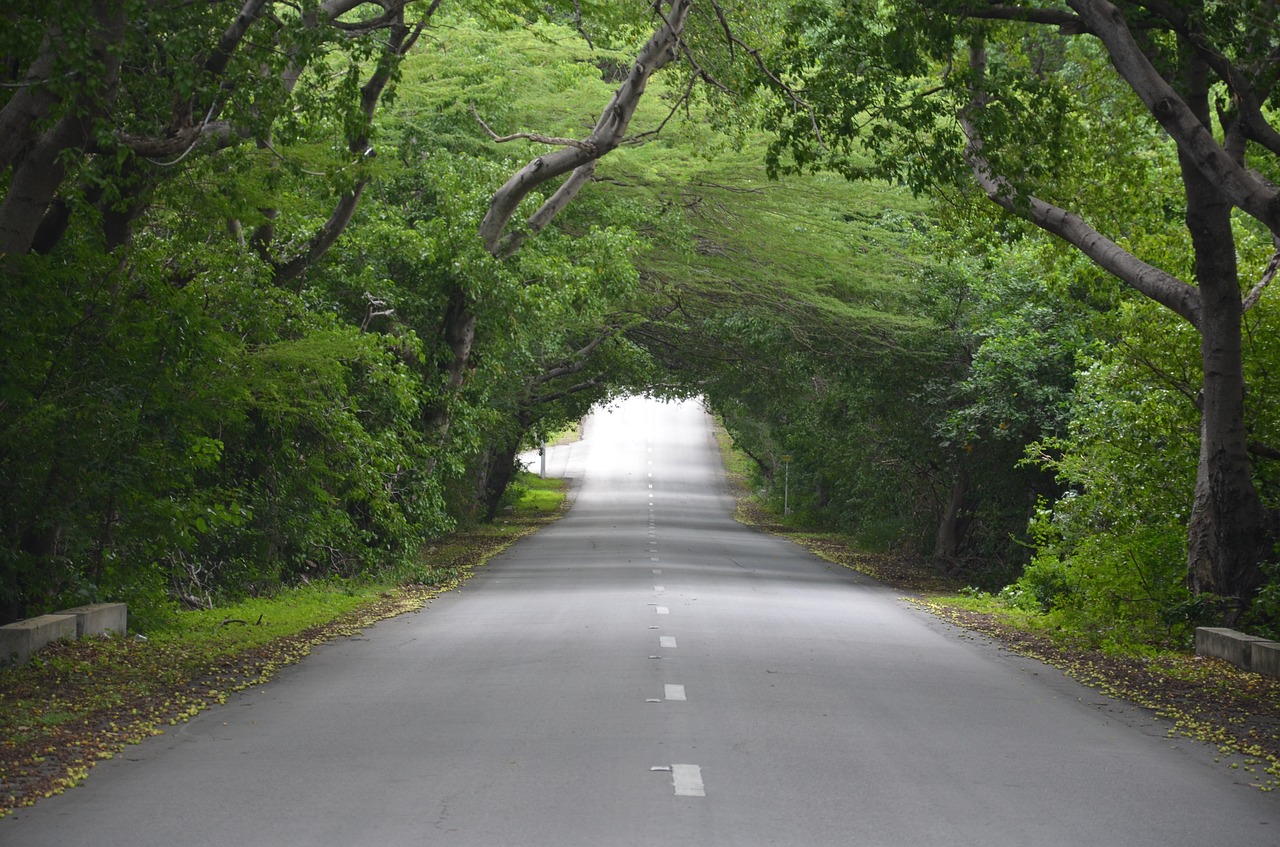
648, 672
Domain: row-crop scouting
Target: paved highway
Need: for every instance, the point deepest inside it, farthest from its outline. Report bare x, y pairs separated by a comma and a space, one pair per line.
647, 672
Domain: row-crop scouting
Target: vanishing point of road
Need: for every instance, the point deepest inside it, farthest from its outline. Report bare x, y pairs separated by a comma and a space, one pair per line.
648, 672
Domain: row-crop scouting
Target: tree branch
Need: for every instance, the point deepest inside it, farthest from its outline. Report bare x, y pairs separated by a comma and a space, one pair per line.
792, 95
577, 360
370, 94
1263, 451
594, 382
324, 237
221, 55
1157, 284
35, 181
220, 133
1246, 94
20, 115
577, 22
531, 136
1182, 386
1255, 294
675, 107
609, 130
1066, 22
1247, 190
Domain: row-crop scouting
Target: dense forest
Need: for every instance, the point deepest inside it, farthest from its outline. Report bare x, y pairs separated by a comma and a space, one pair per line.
288, 286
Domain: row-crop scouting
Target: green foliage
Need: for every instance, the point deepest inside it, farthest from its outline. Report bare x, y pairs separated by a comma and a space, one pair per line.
1120, 588
1264, 615
183, 425
1112, 551
179, 426
967, 105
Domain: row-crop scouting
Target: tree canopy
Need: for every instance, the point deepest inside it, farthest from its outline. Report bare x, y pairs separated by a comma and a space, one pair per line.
289, 286
1142, 135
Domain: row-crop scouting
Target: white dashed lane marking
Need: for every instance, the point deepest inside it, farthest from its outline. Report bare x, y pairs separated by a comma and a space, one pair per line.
666, 641
687, 781
673, 692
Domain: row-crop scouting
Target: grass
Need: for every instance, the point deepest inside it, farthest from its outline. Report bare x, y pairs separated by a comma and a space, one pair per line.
537, 495
79, 702
568, 435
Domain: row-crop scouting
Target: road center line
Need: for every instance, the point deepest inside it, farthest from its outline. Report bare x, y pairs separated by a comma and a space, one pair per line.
687, 781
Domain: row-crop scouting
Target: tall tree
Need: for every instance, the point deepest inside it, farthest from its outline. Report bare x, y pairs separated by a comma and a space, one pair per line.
1043, 107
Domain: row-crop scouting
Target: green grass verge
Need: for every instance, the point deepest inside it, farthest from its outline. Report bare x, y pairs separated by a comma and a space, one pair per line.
568, 435
537, 496
80, 702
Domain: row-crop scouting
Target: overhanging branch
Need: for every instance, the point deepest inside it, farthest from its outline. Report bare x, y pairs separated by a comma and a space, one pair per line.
1149, 280
608, 133
1247, 190
1267, 276
586, 385
555, 141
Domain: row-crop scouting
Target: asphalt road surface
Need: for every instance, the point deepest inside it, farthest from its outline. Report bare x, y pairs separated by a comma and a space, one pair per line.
648, 672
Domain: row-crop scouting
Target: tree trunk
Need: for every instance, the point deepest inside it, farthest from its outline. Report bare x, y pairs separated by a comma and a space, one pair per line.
35, 182
1226, 540
458, 329
1228, 533
40, 167
951, 528
502, 469
1225, 533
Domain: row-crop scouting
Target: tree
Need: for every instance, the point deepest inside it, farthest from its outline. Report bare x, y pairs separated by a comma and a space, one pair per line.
1044, 107
106, 101
172, 181
563, 172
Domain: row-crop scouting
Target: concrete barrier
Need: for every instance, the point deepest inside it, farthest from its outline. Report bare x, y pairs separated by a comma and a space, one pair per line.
21, 639
1264, 658
99, 618
1244, 651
